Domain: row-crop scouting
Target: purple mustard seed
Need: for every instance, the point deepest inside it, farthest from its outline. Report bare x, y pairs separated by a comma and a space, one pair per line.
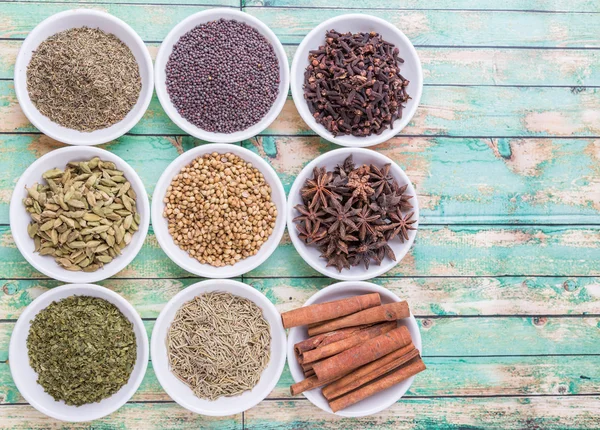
223, 76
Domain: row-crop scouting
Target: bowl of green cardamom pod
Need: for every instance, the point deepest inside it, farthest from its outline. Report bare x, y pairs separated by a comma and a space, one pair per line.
79, 214
78, 352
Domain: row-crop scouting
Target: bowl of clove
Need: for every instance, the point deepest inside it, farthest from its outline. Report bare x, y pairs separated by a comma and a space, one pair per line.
356, 80
79, 214
352, 214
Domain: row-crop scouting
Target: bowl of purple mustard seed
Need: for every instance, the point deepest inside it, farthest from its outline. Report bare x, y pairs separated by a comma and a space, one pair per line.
352, 214
356, 80
222, 75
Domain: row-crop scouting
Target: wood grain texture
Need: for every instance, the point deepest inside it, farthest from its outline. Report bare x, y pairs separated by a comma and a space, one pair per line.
552, 413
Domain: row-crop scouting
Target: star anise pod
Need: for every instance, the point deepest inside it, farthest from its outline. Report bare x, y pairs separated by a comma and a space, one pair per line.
316, 190
386, 251
365, 252
360, 185
308, 215
381, 180
385, 204
336, 242
345, 168
400, 225
310, 233
404, 198
366, 220
339, 261
341, 216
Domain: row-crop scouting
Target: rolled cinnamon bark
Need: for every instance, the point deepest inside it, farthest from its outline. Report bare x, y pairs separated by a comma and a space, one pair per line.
412, 368
389, 312
307, 384
351, 359
330, 310
370, 372
344, 344
308, 373
325, 339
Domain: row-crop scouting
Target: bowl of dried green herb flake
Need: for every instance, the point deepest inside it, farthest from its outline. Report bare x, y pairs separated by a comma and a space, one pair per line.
83, 77
79, 214
78, 352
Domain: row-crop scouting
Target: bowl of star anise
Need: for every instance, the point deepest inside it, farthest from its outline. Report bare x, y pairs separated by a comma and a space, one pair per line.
352, 214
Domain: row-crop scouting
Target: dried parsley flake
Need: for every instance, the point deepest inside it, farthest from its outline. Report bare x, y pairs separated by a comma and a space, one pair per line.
82, 348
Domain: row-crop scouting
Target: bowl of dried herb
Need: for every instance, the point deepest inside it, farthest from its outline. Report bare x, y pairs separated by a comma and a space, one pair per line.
352, 214
78, 352
79, 214
83, 77
356, 80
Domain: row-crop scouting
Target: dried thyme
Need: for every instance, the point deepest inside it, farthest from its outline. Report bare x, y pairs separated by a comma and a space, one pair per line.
82, 348
83, 79
352, 213
82, 216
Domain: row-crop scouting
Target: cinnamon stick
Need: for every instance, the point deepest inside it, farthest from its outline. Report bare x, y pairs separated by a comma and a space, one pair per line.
330, 310
344, 344
412, 368
359, 355
307, 384
370, 372
308, 373
325, 339
389, 312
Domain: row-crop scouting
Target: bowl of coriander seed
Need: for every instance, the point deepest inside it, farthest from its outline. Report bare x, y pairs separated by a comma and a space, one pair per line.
218, 210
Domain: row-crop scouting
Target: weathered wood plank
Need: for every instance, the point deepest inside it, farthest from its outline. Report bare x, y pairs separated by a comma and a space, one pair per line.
424, 27
449, 27
444, 110
468, 376
428, 297
143, 416
524, 5
475, 251
560, 413
456, 66
438, 251
482, 336
465, 180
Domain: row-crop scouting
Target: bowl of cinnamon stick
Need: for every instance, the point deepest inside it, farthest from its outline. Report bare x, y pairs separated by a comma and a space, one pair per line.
353, 349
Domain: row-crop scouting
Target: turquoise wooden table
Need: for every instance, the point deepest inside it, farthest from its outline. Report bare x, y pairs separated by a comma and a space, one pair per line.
504, 277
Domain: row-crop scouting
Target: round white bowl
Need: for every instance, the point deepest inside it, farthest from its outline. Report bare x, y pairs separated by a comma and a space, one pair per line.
181, 257
26, 378
223, 406
379, 401
355, 23
20, 219
311, 254
166, 48
73, 19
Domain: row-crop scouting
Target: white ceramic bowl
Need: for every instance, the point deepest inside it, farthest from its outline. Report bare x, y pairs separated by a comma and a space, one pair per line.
355, 23
181, 257
223, 406
379, 401
26, 378
20, 219
310, 254
73, 19
166, 48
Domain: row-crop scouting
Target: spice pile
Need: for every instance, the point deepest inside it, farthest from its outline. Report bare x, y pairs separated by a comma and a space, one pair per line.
83, 79
352, 213
82, 348
84, 215
219, 209
353, 85
219, 344
355, 349
223, 76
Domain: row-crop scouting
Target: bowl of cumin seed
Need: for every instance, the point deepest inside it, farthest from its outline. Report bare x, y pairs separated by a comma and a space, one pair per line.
83, 77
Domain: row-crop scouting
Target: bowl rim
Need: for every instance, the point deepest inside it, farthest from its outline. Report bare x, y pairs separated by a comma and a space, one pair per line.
80, 289
129, 252
166, 241
31, 111
319, 264
367, 287
203, 17
296, 75
226, 285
